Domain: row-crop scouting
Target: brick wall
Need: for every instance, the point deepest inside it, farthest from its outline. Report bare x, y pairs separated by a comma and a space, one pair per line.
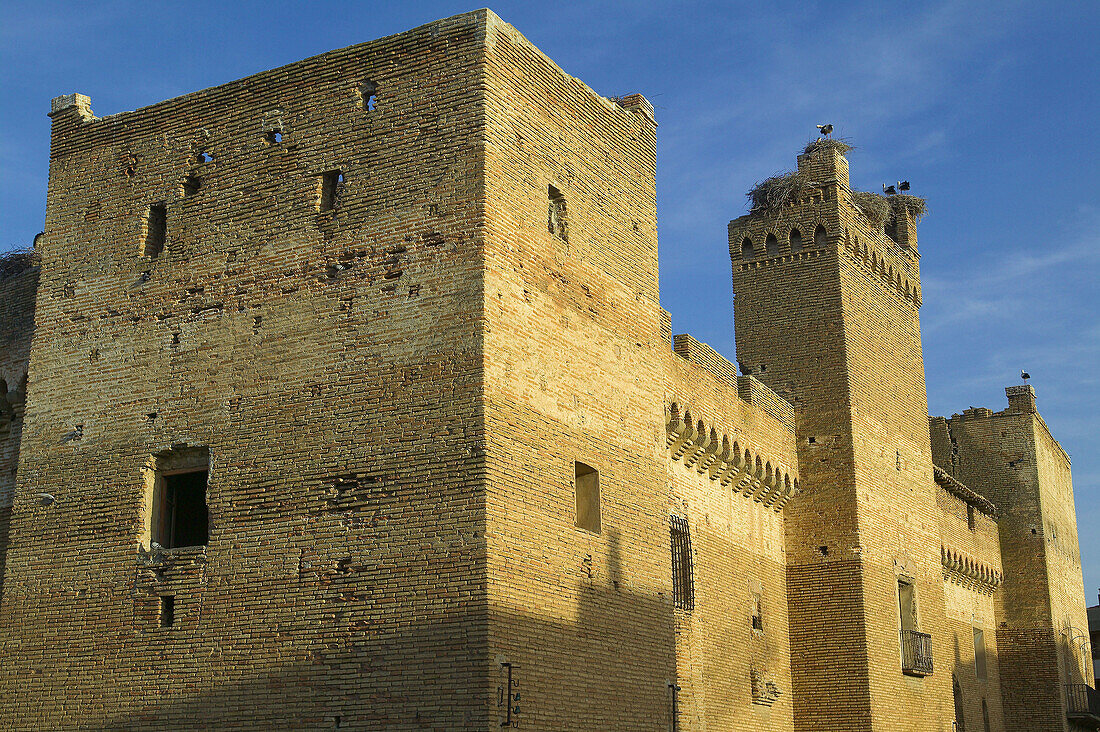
17, 293
329, 361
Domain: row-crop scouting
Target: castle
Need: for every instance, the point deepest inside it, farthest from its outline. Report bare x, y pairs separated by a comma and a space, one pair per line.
342, 398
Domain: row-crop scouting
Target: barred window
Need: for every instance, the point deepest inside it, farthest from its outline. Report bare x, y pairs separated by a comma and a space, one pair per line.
683, 583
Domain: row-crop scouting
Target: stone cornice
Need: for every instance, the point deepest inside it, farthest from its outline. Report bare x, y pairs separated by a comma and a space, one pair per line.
952, 485
713, 454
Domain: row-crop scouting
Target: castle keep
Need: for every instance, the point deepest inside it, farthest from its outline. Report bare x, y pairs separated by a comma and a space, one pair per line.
341, 397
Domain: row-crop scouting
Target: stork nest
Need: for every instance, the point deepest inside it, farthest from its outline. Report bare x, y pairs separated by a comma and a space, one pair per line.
772, 194
17, 261
818, 144
875, 207
916, 205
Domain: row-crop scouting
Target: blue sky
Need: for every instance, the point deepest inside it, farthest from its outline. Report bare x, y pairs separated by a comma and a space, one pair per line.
989, 108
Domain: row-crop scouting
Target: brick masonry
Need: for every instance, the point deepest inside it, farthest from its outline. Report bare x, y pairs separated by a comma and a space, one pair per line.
407, 291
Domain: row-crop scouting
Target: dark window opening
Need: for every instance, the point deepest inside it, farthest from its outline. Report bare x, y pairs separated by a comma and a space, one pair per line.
180, 514
746, 248
892, 229
771, 245
587, 485
156, 229
985, 715
167, 611
971, 519
819, 237
556, 217
683, 582
191, 185
273, 137
203, 157
757, 613
796, 240
332, 183
369, 94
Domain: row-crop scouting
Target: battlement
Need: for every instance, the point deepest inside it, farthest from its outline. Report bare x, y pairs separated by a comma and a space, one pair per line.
798, 215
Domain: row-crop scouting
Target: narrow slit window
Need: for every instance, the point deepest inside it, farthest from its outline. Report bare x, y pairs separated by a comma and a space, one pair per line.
156, 230
971, 519
683, 581
758, 613
180, 515
587, 486
167, 611
332, 183
908, 604
556, 216
979, 653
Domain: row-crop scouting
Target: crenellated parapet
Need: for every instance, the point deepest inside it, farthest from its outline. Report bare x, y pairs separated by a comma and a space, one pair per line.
711, 453
969, 572
800, 215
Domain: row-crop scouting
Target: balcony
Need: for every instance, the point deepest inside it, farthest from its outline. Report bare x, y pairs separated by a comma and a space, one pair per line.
1083, 705
916, 653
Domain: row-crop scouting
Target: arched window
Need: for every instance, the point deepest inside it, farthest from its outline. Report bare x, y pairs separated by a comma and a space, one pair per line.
960, 723
819, 236
746, 248
771, 245
796, 240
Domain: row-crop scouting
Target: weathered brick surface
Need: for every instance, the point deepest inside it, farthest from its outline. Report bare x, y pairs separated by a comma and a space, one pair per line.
331, 363
17, 293
395, 380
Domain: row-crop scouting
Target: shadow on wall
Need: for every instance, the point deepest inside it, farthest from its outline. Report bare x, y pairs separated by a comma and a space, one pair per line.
17, 295
611, 666
977, 691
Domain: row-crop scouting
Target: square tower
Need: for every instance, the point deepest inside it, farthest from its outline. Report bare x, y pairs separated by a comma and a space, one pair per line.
826, 298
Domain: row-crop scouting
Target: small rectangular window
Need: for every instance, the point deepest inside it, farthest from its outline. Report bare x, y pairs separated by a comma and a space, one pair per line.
331, 183
979, 653
156, 229
971, 519
167, 611
683, 581
180, 514
758, 612
556, 216
587, 486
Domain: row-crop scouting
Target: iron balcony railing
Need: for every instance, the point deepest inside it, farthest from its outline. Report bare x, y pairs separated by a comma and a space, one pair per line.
1083, 704
916, 653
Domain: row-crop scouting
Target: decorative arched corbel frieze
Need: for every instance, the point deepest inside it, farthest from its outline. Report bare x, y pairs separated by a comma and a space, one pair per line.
713, 454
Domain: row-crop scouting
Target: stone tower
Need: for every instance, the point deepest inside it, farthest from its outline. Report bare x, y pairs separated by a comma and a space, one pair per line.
1042, 630
827, 291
